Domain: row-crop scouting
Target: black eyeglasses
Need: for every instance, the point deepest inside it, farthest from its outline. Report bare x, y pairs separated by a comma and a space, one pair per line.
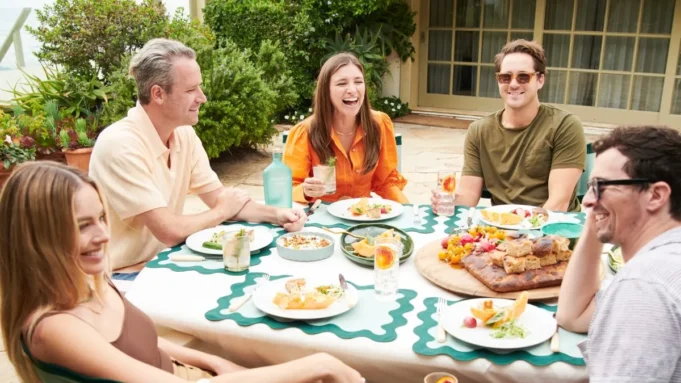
596, 185
522, 77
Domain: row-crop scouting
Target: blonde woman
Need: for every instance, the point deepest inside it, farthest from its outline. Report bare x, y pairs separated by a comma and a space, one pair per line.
344, 126
62, 317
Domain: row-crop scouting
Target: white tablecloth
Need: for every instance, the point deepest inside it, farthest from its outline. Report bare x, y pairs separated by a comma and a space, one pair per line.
179, 300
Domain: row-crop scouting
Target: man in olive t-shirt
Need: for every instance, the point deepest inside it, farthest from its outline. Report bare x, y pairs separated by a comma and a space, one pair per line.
527, 153
515, 163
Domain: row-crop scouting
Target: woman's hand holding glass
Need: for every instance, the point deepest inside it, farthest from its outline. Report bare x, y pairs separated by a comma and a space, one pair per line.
313, 187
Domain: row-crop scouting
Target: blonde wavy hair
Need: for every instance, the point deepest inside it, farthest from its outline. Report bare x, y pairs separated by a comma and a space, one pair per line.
39, 255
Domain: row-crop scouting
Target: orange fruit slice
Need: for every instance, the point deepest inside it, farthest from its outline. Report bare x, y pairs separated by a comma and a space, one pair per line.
449, 184
483, 315
518, 306
385, 257
446, 379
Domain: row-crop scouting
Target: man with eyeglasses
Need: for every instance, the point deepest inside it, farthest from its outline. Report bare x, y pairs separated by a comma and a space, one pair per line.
527, 153
634, 202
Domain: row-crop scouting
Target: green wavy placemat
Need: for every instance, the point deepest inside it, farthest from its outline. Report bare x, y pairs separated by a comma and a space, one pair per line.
213, 265
539, 355
371, 319
459, 218
405, 221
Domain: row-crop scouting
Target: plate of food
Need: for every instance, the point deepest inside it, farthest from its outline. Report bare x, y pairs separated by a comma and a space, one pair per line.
499, 323
209, 241
305, 246
365, 209
361, 250
487, 261
305, 298
515, 217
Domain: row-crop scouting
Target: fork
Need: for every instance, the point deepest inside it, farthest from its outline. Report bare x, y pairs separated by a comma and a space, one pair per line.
343, 231
440, 335
237, 303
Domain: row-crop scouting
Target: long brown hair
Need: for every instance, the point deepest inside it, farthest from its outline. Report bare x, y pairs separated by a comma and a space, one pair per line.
39, 255
322, 119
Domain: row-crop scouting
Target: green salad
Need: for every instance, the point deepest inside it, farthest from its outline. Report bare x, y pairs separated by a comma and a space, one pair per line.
509, 330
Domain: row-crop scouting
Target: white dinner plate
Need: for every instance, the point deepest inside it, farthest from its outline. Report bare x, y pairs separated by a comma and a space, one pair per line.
524, 224
539, 323
340, 209
263, 238
264, 295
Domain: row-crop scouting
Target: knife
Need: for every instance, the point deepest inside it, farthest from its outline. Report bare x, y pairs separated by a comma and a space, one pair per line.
471, 214
314, 207
555, 341
187, 258
344, 285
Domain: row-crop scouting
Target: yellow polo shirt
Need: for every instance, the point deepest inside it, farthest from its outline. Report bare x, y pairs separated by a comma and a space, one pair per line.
130, 163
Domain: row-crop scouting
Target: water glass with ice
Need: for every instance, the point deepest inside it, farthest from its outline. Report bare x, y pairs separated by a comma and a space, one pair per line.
236, 251
326, 174
388, 252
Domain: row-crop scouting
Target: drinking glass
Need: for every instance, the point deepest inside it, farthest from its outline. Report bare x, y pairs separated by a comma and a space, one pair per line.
236, 251
446, 186
326, 174
388, 252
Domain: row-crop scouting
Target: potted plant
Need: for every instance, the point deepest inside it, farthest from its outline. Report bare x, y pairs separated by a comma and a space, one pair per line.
77, 144
12, 153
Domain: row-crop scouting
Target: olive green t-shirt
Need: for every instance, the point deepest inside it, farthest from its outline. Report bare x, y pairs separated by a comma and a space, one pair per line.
515, 163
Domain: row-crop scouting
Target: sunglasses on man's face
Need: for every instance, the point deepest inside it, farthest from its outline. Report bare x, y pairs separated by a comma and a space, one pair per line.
522, 78
597, 185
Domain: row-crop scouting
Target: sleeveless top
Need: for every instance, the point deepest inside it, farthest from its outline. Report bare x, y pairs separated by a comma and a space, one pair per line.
138, 338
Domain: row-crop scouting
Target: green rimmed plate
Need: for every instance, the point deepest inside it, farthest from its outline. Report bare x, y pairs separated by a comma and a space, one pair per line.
373, 230
615, 261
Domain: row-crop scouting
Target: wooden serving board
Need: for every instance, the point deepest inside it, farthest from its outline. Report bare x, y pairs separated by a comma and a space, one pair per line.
460, 281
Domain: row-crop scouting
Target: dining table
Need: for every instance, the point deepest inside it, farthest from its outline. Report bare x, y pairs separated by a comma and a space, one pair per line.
386, 341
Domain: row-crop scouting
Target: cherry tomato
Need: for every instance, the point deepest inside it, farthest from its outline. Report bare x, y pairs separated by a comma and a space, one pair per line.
445, 243
467, 238
470, 322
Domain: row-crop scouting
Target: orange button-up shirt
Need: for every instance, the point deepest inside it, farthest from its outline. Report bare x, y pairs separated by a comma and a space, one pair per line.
383, 179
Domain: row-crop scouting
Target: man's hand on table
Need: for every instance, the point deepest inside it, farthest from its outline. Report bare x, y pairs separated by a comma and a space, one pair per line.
230, 202
291, 219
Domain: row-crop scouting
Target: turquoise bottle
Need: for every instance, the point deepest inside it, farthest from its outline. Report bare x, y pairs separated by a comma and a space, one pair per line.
278, 182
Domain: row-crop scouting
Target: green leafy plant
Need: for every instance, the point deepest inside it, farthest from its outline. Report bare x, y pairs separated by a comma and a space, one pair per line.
306, 28
392, 106
12, 153
331, 162
240, 102
77, 96
88, 37
79, 135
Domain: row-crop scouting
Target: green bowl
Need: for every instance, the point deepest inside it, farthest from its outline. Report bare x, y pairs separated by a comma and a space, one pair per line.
373, 229
569, 230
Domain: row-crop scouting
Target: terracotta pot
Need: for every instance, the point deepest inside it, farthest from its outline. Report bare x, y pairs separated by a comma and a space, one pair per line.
79, 158
4, 174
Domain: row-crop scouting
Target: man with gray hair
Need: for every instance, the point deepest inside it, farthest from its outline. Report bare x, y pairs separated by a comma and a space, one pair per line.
149, 161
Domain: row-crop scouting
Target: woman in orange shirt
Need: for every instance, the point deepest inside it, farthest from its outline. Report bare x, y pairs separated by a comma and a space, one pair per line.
344, 126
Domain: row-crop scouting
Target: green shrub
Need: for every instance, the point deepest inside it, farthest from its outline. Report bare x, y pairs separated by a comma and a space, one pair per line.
87, 36
310, 30
392, 106
240, 102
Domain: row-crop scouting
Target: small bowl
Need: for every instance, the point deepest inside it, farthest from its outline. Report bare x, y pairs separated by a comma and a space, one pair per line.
569, 230
433, 377
306, 255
